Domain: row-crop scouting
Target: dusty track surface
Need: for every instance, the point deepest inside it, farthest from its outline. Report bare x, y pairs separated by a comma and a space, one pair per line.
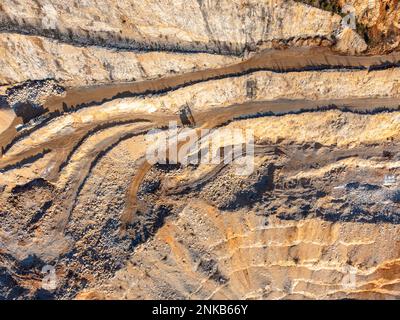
292, 60
296, 59
7, 117
91, 204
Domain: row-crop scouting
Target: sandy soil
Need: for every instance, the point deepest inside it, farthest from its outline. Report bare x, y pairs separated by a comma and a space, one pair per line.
6, 118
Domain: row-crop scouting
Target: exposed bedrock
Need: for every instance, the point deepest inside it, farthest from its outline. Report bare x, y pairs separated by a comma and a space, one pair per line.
89, 87
227, 27
330, 170
376, 23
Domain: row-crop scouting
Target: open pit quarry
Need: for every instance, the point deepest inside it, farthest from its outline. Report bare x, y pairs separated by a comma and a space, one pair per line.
87, 88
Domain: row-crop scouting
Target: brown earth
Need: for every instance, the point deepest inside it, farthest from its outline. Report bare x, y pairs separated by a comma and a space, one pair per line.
317, 216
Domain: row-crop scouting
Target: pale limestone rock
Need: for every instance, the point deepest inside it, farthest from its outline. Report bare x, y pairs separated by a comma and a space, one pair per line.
314, 220
350, 42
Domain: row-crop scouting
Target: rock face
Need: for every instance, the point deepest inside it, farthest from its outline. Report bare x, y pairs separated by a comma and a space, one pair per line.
309, 208
162, 25
97, 41
376, 21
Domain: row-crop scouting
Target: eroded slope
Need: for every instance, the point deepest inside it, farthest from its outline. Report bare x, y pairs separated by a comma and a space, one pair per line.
317, 217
